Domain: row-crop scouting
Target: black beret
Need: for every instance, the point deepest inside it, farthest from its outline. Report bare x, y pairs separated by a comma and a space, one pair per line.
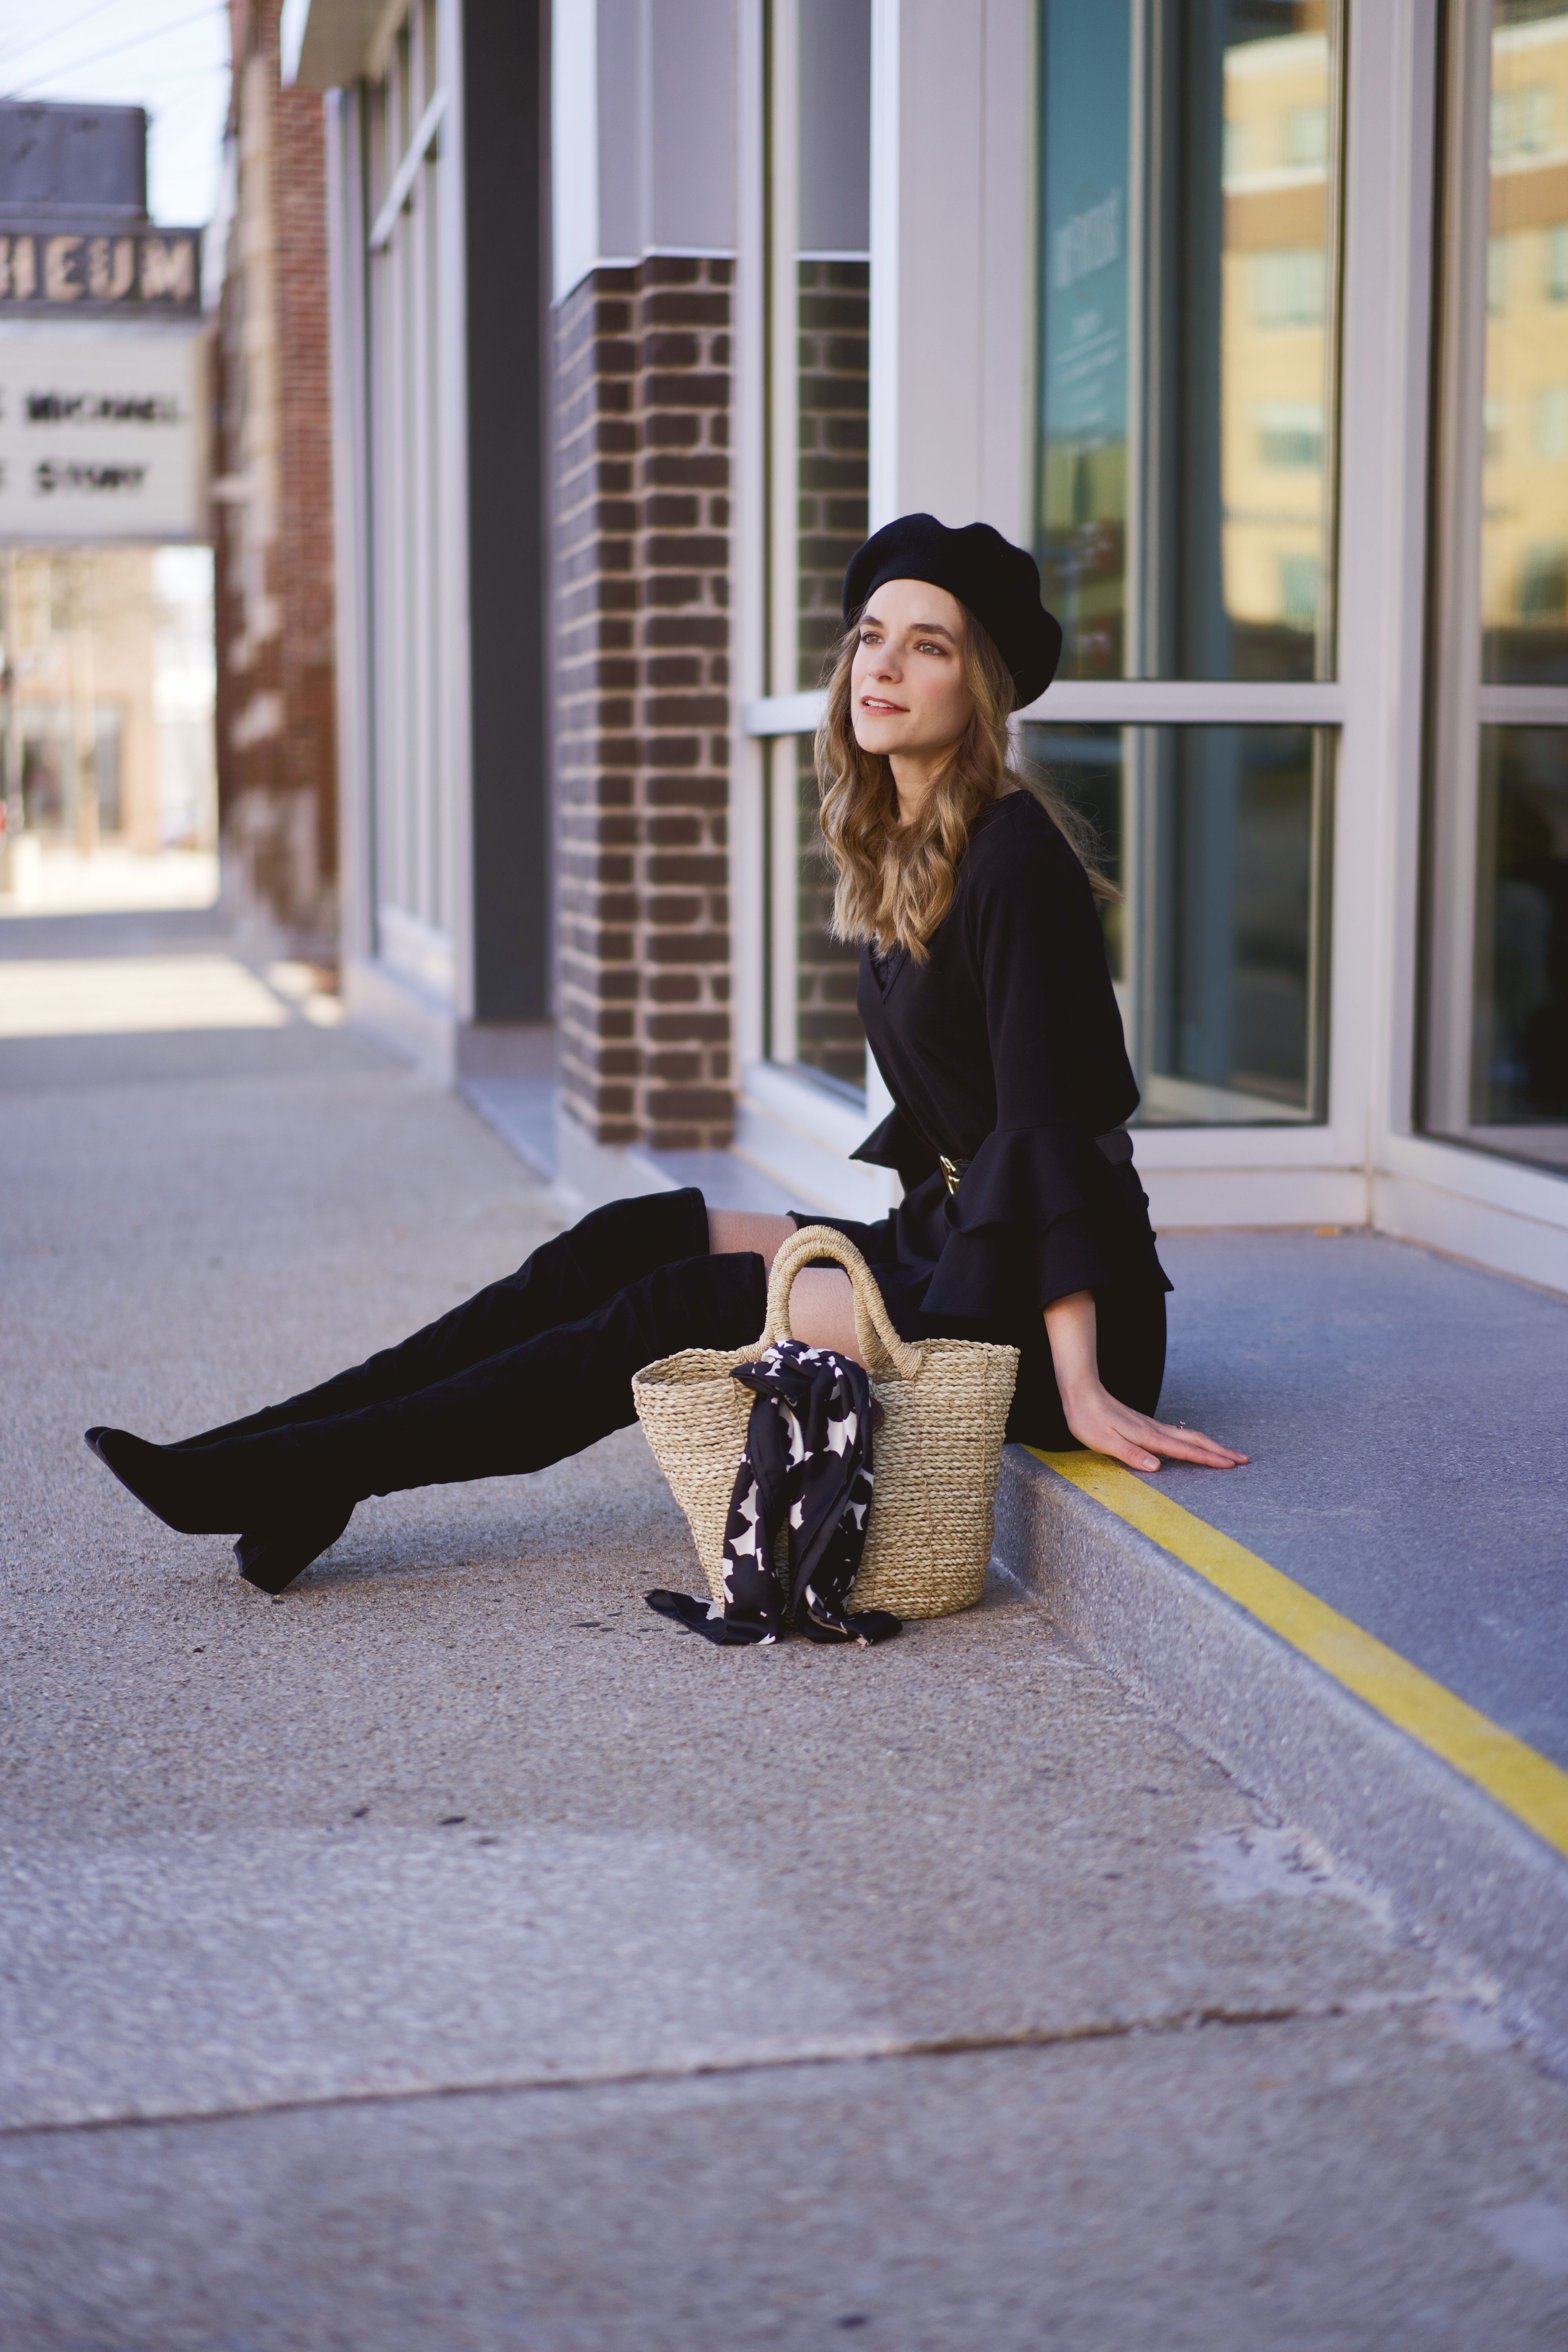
996, 581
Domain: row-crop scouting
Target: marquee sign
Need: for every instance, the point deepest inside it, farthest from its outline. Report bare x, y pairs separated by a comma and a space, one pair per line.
101, 431
117, 270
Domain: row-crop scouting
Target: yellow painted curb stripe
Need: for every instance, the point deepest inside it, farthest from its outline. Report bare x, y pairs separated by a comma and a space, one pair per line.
1527, 1784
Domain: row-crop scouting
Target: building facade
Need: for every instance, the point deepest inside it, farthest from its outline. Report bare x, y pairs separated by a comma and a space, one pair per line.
1249, 316
273, 530
436, 190
104, 398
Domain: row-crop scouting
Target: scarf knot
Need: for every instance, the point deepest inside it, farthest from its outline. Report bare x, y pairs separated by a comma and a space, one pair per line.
798, 1514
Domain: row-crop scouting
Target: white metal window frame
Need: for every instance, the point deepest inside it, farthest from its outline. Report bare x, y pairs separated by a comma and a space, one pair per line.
1500, 1211
951, 413
398, 329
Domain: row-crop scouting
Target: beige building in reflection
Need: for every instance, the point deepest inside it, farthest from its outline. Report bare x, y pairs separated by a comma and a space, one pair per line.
1277, 282
1525, 531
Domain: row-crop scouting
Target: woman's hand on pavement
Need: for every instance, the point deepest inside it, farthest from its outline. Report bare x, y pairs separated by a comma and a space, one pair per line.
1099, 1422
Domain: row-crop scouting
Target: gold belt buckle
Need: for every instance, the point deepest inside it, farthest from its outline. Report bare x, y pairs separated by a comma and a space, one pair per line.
952, 1170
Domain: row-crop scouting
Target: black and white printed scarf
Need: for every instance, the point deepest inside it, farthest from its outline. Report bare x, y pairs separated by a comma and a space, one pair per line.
801, 1498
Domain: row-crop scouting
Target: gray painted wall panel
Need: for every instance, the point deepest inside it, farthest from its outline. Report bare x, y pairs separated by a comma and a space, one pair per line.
692, 89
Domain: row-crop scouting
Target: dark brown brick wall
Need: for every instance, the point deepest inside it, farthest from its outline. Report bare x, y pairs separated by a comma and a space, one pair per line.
834, 408
642, 541
834, 397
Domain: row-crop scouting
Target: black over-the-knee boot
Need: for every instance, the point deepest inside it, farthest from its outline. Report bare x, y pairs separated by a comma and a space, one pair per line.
517, 1410
563, 1279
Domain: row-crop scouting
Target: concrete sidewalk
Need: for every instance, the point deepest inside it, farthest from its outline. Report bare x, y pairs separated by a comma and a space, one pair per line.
453, 1955
1367, 1624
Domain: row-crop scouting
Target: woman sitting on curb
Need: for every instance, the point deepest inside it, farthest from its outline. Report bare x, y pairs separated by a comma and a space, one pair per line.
987, 1004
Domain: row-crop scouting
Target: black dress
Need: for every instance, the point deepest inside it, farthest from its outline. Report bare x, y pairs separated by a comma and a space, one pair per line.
1004, 1051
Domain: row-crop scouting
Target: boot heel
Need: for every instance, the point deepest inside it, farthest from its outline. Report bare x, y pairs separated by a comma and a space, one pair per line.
273, 1557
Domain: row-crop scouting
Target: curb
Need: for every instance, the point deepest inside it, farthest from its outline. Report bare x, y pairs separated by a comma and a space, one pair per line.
1456, 1862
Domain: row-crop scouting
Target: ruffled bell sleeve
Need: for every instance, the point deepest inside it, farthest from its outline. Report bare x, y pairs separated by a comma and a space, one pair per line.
1004, 1050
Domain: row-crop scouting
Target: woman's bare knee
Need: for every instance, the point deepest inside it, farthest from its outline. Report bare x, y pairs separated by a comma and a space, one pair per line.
731, 1231
821, 1311
821, 1304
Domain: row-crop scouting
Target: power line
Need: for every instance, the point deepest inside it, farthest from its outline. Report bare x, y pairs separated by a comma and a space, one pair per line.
82, 65
42, 40
185, 88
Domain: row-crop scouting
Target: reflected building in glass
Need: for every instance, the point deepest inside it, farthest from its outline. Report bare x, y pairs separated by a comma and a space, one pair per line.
1188, 336
1187, 373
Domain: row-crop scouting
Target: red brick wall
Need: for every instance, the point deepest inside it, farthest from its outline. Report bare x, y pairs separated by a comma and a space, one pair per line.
305, 555
642, 539
277, 783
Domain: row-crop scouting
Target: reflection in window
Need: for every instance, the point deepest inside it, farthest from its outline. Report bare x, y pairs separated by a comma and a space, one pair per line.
1291, 433
1188, 333
1086, 765
1521, 109
1218, 839
829, 1037
1557, 262
1522, 948
1307, 137
1298, 585
1290, 286
1524, 495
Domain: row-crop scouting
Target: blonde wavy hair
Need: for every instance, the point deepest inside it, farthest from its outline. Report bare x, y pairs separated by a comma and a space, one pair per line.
895, 883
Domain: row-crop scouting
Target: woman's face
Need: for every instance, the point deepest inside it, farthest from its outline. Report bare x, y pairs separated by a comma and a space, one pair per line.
908, 694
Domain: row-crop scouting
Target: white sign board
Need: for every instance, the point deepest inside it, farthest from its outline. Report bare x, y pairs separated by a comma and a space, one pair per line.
102, 433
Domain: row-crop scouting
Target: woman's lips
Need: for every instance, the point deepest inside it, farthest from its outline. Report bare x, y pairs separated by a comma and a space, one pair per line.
874, 703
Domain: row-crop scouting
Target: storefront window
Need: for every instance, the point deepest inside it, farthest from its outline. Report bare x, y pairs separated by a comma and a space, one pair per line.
1495, 1065
1188, 347
1217, 839
819, 378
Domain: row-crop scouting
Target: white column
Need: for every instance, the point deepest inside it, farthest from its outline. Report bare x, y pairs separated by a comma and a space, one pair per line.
451, 651
950, 211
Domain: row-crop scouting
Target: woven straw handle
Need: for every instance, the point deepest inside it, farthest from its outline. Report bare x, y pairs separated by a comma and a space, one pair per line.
880, 1345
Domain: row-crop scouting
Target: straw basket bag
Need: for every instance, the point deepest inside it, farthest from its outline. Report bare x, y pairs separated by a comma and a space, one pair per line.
937, 1453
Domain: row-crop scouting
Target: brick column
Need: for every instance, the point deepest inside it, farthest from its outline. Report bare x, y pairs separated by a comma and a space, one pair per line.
277, 735
642, 448
833, 393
